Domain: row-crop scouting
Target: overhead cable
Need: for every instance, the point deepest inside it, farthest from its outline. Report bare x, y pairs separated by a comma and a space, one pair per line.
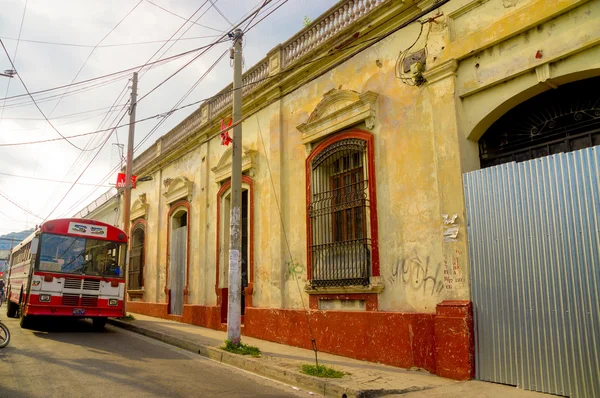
179, 16
14, 56
124, 71
106, 45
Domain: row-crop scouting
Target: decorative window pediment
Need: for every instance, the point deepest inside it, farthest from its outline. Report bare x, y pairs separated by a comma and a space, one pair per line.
178, 188
222, 170
339, 109
139, 207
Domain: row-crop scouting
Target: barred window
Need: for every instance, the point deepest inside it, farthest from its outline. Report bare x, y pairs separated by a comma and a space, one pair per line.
338, 215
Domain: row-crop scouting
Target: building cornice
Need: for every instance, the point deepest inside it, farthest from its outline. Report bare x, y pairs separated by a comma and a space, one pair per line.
291, 66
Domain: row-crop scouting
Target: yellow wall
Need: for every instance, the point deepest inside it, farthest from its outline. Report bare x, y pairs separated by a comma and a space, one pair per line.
481, 61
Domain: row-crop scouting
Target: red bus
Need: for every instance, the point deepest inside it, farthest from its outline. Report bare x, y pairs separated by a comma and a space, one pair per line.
68, 268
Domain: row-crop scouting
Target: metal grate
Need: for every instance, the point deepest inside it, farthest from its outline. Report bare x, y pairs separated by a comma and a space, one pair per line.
535, 269
562, 120
72, 283
338, 215
91, 284
89, 301
70, 299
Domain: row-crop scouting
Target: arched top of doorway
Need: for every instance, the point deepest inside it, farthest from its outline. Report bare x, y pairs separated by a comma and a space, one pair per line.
560, 120
179, 214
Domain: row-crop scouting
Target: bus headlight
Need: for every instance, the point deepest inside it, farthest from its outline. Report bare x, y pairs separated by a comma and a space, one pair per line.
113, 302
44, 298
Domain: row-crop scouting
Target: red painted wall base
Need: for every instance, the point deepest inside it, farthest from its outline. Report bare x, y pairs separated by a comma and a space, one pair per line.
441, 343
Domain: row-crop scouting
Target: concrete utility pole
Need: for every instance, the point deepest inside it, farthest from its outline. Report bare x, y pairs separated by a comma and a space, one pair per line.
128, 166
235, 241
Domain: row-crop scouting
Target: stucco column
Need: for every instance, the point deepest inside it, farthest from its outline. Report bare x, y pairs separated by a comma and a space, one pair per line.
441, 89
160, 240
453, 321
201, 284
277, 251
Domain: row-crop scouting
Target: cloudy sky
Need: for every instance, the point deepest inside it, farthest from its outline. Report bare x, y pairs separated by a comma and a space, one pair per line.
57, 46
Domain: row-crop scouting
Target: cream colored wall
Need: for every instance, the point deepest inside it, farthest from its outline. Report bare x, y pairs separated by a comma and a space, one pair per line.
493, 81
412, 153
107, 213
425, 139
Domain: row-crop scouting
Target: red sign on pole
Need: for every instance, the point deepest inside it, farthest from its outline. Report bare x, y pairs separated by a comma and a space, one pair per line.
121, 180
225, 137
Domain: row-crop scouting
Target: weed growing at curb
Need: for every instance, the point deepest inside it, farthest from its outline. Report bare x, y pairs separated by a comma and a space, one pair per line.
127, 318
242, 349
322, 371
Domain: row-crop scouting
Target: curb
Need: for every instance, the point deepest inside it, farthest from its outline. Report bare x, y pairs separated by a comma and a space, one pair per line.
327, 387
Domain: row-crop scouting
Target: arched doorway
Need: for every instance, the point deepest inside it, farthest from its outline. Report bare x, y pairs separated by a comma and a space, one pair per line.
178, 259
137, 257
247, 256
560, 120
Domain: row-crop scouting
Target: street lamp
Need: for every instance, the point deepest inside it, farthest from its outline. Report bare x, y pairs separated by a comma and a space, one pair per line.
9, 73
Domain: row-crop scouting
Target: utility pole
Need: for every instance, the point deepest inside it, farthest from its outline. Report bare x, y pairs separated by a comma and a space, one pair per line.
126, 211
235, 241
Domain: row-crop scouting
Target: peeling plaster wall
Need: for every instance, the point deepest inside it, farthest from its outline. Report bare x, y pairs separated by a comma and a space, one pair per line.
492, 81
407, 156
425, 138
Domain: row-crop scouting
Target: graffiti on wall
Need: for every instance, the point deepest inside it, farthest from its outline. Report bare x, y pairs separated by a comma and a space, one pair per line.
420, 273
294, 269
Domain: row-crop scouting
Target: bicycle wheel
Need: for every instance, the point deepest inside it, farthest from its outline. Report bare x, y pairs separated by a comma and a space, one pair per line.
4, 335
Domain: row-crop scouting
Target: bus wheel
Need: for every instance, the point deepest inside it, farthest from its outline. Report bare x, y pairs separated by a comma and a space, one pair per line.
99, 323
24, 321
11, 309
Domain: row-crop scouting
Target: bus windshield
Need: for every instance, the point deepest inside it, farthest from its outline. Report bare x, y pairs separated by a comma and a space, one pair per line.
69, 254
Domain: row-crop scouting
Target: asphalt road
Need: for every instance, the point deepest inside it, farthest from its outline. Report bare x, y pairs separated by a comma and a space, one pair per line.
71, 360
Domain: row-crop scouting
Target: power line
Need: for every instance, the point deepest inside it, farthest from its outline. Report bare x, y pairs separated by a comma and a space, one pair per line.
66, 116
19, 206
175, 108
214, 4
124, 71
83, 171
106, 45
45, 179
203, 52
210, 46
90, 55
173, 35
14, 57
278, 75
165, 114
24, 102
179, 16
271, 12
23, 83
158, 115
59, 125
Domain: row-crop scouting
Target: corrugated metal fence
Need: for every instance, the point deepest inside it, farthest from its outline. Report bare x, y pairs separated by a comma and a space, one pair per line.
534, 244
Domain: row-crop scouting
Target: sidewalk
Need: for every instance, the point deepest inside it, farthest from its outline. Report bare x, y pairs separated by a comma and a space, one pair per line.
282, 363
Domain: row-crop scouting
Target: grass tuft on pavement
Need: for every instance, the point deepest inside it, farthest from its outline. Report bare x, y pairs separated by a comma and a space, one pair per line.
127, 318
322, 371
241, 349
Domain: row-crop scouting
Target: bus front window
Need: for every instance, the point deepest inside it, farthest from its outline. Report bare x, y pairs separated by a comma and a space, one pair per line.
68, 254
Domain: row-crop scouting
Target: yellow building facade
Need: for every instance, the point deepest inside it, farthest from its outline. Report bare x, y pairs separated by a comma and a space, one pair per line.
357, 132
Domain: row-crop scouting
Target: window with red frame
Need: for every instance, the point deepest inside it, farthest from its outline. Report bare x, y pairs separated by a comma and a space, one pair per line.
340, 241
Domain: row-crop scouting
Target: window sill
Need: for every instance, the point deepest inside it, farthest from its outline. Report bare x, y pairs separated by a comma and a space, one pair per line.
375, 286
136, 292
